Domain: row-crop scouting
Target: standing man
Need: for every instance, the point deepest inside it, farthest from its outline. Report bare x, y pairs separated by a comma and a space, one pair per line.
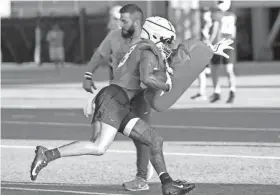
55, 39
224, 27
114, 18
112, 49
205, 37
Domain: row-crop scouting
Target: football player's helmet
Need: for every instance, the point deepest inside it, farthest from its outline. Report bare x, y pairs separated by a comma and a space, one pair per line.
223, 5
160, 31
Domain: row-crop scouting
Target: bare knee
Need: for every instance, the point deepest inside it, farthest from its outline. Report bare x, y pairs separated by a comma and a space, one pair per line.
96, 149
101, 150
229, 69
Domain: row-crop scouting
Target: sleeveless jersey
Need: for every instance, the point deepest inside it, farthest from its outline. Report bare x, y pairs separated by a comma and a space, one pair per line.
227, 24
127, 73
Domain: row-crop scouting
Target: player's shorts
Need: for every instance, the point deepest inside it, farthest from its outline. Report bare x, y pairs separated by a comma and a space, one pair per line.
112, 105
140, 107
217, 59
56, 53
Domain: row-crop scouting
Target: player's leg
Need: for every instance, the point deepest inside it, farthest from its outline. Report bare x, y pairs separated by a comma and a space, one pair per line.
137, 129
229, 64
141, 108
216, 61
202, 87
96, 146
111, 107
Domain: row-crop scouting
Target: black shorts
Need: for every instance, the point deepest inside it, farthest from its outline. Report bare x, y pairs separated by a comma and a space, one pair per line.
140, 107
217, 59
112, 105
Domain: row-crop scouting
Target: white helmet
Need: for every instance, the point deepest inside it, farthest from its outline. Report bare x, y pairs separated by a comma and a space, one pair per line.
224, 5
160, 31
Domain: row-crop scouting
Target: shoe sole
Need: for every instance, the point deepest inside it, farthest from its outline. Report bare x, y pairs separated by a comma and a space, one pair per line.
135, 190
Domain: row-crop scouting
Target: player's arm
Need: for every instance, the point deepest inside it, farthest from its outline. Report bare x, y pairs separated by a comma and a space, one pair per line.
215, 27
148, 62
102, 53
214, 31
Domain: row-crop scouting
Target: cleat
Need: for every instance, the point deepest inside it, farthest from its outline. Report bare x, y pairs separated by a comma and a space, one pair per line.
231, 97
137, 184
198, 96
39, 162
215, 97
177, 188
150, 171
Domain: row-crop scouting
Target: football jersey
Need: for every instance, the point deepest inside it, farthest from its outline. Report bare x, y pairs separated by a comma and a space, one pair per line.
127, 72
114, 47
227, 24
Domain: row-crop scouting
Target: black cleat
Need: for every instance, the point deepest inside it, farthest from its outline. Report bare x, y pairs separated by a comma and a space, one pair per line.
177, 188
231, 97
39, 162
215, 97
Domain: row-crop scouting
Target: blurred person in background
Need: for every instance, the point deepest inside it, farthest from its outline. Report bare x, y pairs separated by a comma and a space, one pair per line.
224, 27
114, 18
55, 38
112, 49
205, 37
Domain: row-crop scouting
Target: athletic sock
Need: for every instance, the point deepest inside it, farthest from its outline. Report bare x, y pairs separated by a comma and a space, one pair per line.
52, 154
165, 178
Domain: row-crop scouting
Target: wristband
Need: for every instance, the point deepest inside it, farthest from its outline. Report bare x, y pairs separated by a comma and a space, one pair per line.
88, 75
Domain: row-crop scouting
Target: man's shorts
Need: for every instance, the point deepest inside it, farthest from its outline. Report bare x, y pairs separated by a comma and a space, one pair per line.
112, 106
56, 54
140, 107
217, 59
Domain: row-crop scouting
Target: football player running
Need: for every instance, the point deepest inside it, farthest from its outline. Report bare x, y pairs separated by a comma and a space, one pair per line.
112, 111
112, 104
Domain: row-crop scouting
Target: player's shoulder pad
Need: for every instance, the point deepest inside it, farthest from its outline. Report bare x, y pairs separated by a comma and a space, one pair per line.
191, 48
150, 46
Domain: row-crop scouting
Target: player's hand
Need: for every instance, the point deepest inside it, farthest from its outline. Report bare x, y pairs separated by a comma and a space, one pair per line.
168, 81
219, 47
90, 106
88, 83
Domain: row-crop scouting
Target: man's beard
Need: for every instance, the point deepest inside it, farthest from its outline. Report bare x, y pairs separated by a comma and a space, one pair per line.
128, 33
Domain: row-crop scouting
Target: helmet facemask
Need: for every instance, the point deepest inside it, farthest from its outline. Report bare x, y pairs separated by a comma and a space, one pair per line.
165, 46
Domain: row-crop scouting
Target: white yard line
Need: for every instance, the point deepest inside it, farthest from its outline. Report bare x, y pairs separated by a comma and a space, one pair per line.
15, 122
58, 191
167, 153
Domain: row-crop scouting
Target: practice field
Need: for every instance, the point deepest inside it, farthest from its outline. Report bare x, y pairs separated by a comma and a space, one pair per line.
224, 149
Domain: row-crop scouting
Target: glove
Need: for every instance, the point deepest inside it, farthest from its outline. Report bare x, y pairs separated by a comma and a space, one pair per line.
168, 81
90, 105
219, 47
88, 83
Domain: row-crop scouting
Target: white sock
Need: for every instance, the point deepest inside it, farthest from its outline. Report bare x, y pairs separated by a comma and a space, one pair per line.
160, 174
